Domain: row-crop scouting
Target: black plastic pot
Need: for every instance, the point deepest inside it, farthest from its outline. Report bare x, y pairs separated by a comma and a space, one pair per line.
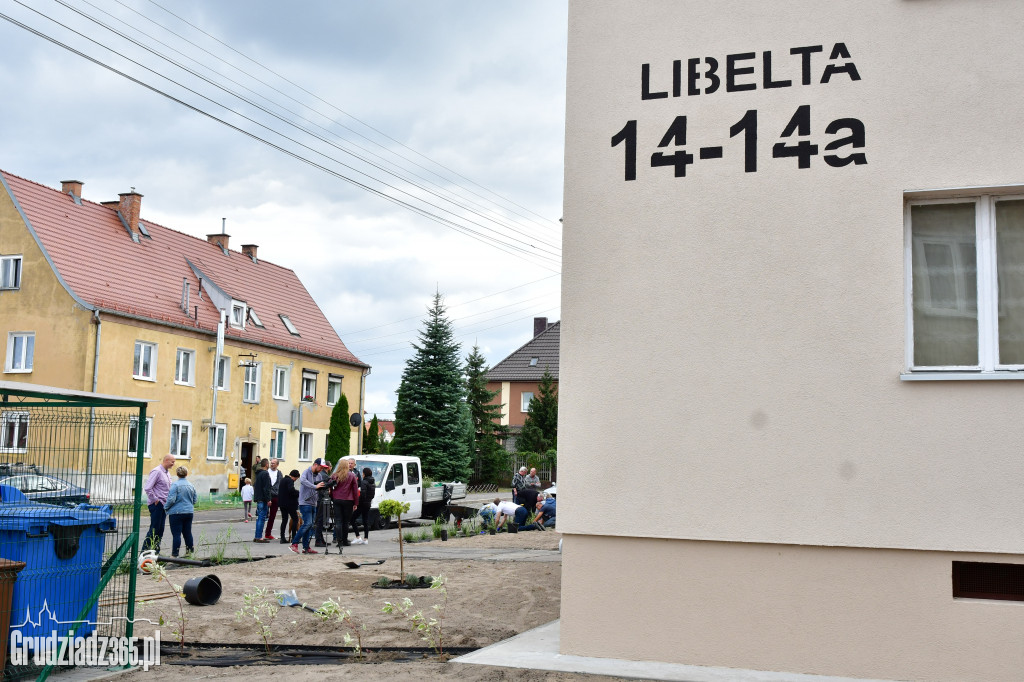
513, 528
203, 591
444, 535
492, 531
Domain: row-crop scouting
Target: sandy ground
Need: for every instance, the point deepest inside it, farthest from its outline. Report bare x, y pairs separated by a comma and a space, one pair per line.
487, 601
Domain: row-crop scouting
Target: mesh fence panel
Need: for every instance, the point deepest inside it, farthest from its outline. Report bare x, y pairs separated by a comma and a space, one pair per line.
68, 475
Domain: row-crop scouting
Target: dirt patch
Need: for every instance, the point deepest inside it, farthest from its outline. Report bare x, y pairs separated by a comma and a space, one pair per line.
488, 601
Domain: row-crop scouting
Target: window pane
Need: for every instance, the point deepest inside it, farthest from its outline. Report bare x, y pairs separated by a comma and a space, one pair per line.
1010, 264
944, 285
414, 473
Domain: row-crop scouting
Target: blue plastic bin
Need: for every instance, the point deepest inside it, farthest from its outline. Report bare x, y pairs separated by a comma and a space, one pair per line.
62, 548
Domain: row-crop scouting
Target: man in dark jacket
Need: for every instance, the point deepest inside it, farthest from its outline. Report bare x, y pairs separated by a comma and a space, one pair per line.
262, 489
275, 487
288, 504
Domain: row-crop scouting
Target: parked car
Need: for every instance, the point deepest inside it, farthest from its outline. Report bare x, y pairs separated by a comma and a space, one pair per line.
552, 490
46, 489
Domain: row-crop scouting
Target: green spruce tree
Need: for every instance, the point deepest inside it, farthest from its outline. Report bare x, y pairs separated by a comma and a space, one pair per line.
371, 443
339, 437
540, 430
490, 461
428, 421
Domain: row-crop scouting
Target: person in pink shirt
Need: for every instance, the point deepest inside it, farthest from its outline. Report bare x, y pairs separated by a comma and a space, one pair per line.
158, 484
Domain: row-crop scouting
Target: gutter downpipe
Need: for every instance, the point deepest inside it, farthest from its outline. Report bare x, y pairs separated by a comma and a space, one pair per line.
216, 366
92, 410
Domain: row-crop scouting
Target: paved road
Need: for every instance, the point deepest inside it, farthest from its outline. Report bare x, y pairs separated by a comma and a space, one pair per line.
214, 528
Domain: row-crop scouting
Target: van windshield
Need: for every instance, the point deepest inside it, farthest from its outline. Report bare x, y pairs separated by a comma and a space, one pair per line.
378, 469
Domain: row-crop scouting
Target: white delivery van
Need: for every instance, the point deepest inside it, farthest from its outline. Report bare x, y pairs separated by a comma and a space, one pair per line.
401, 478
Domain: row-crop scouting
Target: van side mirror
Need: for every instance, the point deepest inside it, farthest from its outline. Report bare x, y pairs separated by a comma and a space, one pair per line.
389, 486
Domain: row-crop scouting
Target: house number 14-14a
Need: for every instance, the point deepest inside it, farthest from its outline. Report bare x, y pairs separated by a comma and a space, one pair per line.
794, 143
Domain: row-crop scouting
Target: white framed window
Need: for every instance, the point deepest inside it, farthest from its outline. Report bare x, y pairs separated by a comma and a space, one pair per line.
288, 325
133, 437
333, 389
144, 366
308, 384
305, 446
533, 362
185, 367
238, 314
254, 317
181, 439
280, 383
525, 404
277, 437
965, 283
215, 449
224, 373
251, 383
20, 351
13, 431
10, 272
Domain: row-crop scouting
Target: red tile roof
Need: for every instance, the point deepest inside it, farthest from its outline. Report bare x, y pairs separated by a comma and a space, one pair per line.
101, 264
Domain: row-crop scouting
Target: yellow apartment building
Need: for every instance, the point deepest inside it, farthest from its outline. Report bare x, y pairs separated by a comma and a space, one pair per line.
234, 354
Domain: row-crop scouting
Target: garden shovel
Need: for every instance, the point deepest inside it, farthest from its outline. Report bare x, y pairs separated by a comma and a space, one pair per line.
289, 598
352, 564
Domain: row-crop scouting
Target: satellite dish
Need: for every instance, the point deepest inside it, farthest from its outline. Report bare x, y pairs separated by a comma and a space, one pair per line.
355, 419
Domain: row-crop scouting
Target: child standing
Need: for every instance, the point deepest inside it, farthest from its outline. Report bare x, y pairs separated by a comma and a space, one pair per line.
247, 493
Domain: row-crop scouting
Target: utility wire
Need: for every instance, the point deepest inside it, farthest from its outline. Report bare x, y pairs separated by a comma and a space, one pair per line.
454, 305
423, 212
267, 111
296, 114
338, 109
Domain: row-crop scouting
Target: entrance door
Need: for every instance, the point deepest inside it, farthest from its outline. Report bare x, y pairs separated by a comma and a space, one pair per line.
246, 464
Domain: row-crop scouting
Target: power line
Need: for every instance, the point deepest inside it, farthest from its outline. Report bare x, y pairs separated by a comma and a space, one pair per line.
265, 127
490, 240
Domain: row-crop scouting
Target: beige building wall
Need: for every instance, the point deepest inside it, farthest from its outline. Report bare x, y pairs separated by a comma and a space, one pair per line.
759, 317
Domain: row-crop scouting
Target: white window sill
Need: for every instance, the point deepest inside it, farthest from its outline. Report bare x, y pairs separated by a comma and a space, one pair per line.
183, 383
1005, 375
153, 379
18, 371
177, 457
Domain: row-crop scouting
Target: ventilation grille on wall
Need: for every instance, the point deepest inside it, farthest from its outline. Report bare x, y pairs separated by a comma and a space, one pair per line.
976, 580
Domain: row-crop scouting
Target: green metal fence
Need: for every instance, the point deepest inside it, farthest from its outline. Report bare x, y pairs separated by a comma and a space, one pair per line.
70, 500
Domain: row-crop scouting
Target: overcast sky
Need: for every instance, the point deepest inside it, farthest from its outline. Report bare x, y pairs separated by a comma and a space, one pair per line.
477, 87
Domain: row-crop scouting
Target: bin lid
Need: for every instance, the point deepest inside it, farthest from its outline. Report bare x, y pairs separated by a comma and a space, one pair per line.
22, 514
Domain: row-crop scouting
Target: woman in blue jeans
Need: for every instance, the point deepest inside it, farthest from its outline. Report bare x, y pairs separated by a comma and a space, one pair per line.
180, 507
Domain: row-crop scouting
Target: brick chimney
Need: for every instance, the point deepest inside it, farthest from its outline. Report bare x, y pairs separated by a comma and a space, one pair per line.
539, 325
130, 206
220, 239
250, 251
72, 187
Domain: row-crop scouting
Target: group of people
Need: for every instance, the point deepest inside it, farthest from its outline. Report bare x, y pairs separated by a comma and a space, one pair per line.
170, 502
526, 498
296, 496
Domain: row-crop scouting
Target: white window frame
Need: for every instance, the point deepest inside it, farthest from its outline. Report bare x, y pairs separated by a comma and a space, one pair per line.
224, 373
212, 441
309, 384
305, 446
190, 376
278, 438
251, 384
333, 381
133, 425
251, 313
987, 286
524, 401
20, 362
237, 317
282, 376
21, 421
10, 272
140, 348
176, 428
288, 325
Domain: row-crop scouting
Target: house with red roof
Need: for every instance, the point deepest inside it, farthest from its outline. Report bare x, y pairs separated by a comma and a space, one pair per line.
236, 357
